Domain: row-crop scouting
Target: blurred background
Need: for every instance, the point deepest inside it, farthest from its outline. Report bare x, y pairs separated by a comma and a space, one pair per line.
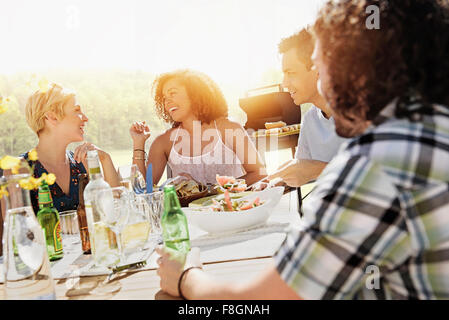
109, 52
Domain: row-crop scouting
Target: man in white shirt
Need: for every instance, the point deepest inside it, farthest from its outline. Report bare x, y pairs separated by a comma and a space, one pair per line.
318, 141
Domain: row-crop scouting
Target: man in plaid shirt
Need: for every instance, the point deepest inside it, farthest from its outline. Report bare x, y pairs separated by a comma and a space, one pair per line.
378, 219
377, 222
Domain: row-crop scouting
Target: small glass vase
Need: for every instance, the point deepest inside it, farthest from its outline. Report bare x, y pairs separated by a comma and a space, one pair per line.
26, 267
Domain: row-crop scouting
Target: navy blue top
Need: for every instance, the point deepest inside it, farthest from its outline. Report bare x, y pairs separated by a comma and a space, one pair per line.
61, 201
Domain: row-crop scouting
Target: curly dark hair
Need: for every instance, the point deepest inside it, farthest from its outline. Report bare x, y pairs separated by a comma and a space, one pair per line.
406, 58
207, 100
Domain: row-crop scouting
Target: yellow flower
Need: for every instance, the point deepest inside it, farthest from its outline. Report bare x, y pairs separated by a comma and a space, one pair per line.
36, 182
3, 191
8, 162
50, 179
26, 184
2, 108
32, 155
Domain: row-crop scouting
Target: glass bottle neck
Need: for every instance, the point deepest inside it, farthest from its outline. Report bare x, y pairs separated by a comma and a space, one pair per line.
171, 201
94, 168
44, 199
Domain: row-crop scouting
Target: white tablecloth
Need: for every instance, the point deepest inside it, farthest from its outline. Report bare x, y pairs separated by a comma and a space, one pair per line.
259, 241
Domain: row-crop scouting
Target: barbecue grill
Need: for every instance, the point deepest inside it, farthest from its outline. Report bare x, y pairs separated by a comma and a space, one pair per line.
271, 107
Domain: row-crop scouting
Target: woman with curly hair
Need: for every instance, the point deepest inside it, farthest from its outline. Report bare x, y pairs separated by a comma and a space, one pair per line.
376, 224
202, 141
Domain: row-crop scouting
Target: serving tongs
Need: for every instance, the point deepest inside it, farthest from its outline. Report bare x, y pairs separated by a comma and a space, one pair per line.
270, 183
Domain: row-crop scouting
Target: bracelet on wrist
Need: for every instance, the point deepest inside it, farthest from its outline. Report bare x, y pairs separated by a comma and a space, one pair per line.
134, 158
180, 280
141, 150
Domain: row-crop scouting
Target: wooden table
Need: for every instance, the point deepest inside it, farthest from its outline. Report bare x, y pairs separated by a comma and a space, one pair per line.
144, 285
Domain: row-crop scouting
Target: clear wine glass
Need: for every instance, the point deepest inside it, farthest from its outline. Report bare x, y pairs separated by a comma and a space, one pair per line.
114, 206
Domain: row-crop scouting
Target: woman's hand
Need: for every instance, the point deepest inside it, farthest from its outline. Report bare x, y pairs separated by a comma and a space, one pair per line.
81, 152
139, 132
171, 264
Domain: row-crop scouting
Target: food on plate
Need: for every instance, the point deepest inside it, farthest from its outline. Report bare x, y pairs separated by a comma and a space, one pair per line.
187, 188
231, 184
227, 204
273, 131
277, 124
285, 130
207, 201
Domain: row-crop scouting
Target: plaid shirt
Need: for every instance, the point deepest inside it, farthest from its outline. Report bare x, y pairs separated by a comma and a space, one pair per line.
377, 222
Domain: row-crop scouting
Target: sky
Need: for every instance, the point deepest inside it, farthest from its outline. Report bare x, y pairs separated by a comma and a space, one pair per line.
231, 40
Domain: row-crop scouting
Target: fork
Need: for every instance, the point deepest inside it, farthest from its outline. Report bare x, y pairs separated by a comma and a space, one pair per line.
131, 266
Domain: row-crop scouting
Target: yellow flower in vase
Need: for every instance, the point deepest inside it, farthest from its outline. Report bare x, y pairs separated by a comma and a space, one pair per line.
32, 155
26, 184
10, 163
50, 179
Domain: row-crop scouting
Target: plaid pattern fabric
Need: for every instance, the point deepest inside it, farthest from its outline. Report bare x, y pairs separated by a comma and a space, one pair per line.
377, 223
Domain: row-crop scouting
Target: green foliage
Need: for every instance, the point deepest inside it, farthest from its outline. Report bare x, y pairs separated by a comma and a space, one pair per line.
112, 100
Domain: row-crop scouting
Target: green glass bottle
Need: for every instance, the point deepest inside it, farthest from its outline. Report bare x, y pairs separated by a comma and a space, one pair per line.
48, 218
175, 231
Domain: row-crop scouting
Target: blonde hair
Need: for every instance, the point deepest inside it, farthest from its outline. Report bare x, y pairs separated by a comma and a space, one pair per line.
40, 102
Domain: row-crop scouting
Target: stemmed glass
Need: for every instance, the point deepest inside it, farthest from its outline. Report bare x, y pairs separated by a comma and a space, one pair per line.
114, 206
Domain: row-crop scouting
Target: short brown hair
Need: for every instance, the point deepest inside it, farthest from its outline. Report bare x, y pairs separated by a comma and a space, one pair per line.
406, 58
207, 100
303, 41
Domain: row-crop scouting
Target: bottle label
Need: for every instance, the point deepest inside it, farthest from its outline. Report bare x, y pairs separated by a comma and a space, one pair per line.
57, 237
45, 197
94, 170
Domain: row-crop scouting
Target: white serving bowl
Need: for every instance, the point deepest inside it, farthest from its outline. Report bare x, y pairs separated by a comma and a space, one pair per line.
224, 222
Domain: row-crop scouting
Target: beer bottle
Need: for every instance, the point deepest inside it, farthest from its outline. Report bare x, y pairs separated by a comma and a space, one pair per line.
48, 218
175, 231
83, 180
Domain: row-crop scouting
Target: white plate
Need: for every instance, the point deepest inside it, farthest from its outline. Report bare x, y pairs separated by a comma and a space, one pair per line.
222, 222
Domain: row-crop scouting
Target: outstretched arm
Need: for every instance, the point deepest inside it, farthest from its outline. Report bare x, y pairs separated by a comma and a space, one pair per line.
198, 285
296, 172
235, 136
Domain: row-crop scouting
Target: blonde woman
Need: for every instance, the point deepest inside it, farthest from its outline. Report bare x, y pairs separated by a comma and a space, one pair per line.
57, 119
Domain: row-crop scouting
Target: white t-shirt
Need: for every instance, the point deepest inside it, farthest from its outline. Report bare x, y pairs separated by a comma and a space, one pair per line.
318, 139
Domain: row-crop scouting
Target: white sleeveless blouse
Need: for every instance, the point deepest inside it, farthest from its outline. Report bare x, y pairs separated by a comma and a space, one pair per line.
203, 168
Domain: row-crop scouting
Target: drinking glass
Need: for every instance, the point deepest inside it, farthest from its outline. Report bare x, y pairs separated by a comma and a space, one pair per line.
132, 178
114, 207
136, 232
153, 205
70, 231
